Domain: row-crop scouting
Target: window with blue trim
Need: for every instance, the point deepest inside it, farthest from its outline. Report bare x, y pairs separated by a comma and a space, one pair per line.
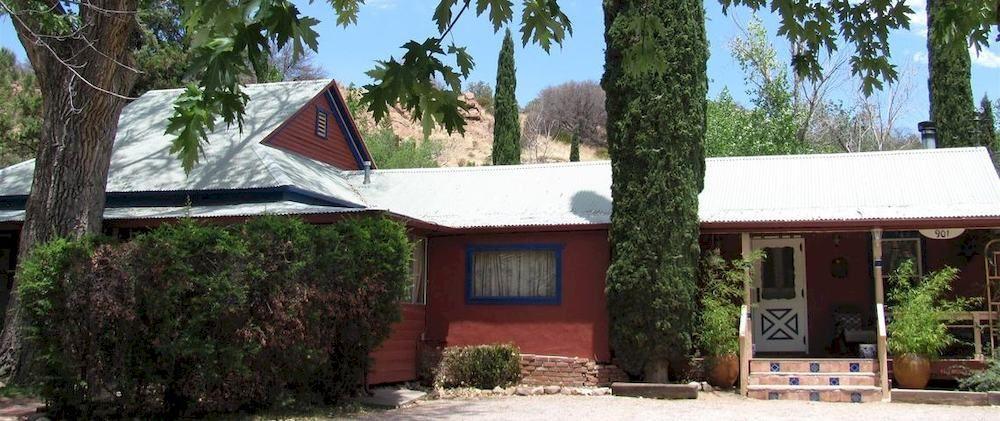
514, 274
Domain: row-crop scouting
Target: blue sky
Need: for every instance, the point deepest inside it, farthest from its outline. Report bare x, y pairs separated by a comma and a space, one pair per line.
384, 25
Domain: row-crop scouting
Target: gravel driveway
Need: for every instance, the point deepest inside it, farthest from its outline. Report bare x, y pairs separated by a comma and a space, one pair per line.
709, 407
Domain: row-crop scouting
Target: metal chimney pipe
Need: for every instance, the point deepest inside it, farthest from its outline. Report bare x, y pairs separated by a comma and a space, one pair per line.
928, 134
368, 172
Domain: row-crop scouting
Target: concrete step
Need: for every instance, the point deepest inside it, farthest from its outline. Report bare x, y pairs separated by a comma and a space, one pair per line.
655, 390
814, 379
818, 365
856, 394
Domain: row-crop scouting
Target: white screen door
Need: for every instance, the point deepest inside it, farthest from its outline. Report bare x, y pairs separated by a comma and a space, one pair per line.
780, 323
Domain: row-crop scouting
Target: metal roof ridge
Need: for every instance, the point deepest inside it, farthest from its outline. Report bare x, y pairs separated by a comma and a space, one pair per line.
484, 168
248, 86
965, 149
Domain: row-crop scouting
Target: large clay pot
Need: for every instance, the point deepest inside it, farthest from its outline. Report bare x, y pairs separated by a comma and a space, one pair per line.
911, 371
723, 370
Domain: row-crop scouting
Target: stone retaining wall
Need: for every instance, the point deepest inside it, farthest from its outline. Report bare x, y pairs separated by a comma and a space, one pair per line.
568, 371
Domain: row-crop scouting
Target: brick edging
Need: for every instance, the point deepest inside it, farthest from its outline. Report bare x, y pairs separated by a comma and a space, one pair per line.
568, 371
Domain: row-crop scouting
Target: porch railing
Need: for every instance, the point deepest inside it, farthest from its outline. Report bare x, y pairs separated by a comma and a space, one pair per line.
746, 348
976, 321
883, 357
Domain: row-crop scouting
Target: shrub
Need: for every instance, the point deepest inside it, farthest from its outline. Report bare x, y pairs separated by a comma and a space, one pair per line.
391, 151
722, 291
191, 318
919, 311
480, 366
987, 380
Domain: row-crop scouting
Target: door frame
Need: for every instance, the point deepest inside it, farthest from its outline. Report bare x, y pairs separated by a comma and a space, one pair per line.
802, 293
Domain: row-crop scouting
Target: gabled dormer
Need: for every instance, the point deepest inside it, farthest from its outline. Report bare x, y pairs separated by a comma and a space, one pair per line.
323, 130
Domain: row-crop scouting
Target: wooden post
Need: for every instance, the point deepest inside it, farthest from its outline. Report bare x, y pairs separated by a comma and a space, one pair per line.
877, 265
883, 351
746, 250
746, 325
746, 348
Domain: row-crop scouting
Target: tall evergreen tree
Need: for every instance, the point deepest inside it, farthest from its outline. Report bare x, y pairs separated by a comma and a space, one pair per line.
949, 81
656, 123
507, 124
987, 126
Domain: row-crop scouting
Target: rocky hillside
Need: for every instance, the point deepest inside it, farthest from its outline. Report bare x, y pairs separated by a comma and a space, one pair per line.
473, 148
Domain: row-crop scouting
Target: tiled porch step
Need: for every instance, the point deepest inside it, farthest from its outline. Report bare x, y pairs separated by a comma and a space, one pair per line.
857, 394
814, 379
805, 365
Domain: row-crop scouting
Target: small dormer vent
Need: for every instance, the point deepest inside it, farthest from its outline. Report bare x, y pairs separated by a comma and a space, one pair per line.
321, 123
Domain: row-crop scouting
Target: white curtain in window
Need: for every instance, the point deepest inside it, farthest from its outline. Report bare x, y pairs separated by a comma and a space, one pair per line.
514, 273
418, 277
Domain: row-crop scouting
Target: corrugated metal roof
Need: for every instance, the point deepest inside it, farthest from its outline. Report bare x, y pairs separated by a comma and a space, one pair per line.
141, 160
546, 194
941, 183
239, 210
901, 185
916, 184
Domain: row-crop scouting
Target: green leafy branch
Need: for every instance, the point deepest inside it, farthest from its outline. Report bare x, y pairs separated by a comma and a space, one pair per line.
411, 81
225, 37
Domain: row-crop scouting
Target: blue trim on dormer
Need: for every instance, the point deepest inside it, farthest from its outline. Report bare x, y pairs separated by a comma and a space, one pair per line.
470, 251
338, 114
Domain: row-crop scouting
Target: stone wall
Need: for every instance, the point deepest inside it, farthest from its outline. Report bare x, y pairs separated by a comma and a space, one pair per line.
568, 371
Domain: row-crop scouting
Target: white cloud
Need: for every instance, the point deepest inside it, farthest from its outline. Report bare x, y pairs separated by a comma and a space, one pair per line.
985, 58
918, 19
920, 57
382, 4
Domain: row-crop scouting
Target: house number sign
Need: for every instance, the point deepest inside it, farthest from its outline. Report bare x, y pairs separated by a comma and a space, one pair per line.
942, 233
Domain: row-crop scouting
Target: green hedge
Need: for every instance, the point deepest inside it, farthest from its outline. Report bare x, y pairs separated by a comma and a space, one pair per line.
479, 366
190, 319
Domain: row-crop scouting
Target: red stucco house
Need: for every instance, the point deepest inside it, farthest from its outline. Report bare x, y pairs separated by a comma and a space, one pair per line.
519, 253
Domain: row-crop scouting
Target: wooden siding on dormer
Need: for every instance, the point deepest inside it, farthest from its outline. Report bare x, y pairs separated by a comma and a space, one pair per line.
299, 135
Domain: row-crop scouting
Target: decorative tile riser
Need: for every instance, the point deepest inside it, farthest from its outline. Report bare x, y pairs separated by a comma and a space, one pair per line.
764, 366
810, 379
820, 396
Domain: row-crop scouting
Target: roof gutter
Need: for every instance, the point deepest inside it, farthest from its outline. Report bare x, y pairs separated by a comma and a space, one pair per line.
207, 197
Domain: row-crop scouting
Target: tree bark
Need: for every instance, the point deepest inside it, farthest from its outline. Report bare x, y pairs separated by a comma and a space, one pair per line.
82, 80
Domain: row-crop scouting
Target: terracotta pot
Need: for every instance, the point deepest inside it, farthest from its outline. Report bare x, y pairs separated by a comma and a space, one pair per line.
723, 370
911, 371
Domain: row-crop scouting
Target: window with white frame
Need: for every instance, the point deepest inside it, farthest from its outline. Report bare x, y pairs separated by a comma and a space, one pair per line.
418, 272
895, 251
514, 274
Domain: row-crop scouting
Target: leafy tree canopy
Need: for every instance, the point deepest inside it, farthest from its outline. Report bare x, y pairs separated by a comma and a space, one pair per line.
232, 40
20, 110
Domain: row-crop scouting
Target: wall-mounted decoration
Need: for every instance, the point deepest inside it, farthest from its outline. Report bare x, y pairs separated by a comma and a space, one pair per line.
838, 268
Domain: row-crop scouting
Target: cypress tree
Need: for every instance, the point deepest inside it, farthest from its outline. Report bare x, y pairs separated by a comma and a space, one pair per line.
987, 126
949, 83
507, 124
656, 125
574, 147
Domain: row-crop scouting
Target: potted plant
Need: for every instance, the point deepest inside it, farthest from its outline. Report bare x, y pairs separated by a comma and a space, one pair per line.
917, 328
718, 335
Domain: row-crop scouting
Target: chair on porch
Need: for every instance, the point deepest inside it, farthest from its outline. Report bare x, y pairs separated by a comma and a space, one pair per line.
850, 330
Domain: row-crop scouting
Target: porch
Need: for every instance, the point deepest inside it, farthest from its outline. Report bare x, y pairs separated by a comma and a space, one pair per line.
814, 322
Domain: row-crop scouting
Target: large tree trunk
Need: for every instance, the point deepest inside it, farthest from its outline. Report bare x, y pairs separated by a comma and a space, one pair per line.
82, 81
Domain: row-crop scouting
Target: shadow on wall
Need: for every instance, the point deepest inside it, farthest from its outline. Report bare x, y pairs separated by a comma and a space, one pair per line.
592, 206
